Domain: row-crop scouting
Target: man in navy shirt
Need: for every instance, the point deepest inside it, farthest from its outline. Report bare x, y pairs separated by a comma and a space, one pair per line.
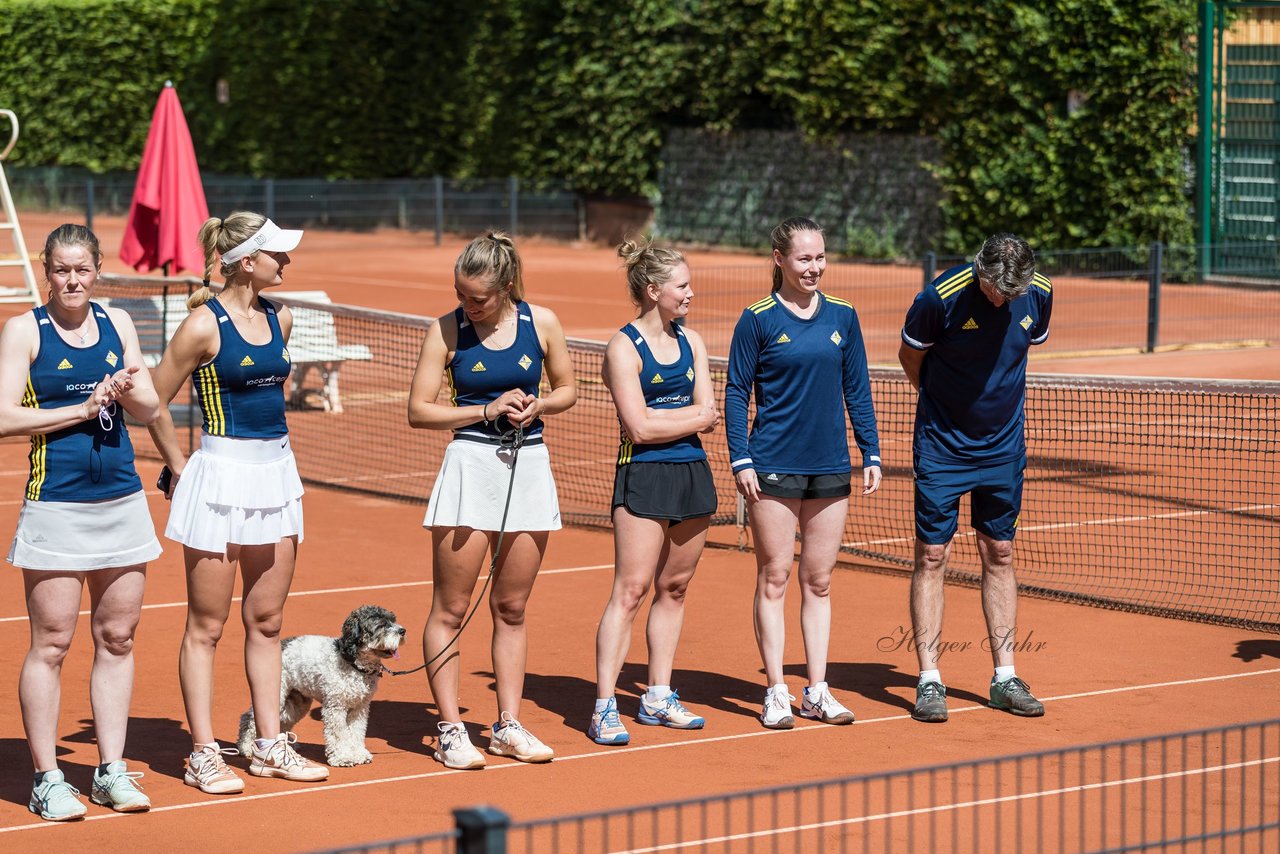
964, 347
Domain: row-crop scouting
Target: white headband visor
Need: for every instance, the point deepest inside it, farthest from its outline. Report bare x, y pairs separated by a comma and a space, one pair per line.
269, 238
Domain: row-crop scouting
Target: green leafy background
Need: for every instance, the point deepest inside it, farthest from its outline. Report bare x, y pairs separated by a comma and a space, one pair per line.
588, 91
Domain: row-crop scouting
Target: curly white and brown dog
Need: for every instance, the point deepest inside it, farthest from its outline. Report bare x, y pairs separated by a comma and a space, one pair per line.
341, 674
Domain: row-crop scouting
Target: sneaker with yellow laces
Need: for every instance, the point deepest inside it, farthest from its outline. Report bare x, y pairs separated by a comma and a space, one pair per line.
279, 759
207, 771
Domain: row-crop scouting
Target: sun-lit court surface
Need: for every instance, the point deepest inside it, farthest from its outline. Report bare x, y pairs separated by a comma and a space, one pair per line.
1156, 499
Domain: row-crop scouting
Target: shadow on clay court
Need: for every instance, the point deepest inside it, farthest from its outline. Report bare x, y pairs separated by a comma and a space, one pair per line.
573, 698
159, 743
875, 682
1255, 648
15, 783
408, 727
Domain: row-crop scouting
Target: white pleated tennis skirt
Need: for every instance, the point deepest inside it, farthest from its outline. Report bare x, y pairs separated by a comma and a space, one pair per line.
237, 492
84, 535
471, 489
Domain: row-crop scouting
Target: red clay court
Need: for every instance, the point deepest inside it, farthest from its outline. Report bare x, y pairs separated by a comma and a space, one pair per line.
1103, 675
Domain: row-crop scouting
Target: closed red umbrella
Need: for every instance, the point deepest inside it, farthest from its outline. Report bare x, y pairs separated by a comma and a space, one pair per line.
168, 205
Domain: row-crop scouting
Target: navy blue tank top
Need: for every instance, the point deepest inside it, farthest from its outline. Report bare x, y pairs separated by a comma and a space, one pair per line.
478, 375
92, 460
665, 387
241, 392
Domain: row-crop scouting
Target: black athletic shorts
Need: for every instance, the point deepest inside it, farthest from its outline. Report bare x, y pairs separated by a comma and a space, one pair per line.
673, 492
805, 485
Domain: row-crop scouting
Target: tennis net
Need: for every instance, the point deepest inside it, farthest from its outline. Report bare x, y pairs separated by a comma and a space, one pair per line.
1157, 496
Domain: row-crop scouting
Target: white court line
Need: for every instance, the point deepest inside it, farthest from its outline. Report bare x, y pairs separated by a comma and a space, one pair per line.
1044, 793
619, 751
328, 590
1113, 520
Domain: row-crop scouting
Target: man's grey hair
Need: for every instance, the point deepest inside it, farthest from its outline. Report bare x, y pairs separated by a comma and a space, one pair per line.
1006, 263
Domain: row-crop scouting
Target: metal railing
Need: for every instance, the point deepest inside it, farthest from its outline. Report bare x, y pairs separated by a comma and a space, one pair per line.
1211, 789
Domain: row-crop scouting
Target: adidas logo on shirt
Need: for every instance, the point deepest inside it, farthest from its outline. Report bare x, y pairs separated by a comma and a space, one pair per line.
657, 378
1026, 322
970, 324
112, 358
64, 365
478, 367
246, 362
525, 362
836, 339
784, 339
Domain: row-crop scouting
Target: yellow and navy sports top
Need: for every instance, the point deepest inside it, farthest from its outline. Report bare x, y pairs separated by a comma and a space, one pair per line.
87, 461
241, 392
478, 375
805, 374
973, 380
665, 387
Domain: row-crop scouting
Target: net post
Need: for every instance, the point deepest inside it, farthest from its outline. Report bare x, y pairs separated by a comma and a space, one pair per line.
513, 189
439, 185
1205, 139
88, 203
930, 269
1156, 254
481, 830
269, 197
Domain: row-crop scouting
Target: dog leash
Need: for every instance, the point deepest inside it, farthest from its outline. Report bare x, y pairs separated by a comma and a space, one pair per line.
512, 440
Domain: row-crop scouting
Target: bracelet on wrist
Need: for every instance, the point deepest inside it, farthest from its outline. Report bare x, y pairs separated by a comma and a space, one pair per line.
484, 414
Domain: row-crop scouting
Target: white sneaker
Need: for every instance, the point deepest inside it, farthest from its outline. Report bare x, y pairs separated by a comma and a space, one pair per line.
456, 750
279, 759
207, 771
777, 709
119, 789
54, 799
511, 739
820, 705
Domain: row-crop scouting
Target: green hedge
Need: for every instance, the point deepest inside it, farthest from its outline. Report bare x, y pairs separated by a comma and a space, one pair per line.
83, 75
586, 91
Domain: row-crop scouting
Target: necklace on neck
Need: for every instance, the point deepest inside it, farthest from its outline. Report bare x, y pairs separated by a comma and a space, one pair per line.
231, 310
86, 326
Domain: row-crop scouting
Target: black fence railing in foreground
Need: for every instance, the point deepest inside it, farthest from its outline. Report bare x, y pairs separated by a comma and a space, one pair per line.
1205, 790
1156, 496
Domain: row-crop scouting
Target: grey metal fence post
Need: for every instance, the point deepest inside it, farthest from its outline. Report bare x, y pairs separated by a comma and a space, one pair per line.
88, 204
439, 184
513, 187
269, 197
1153, 295
481, 830
930, 269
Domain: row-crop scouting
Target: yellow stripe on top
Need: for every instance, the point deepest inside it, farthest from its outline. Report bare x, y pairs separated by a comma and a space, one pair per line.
1042, 283
767, 302
838, 301
956, 283
38, 456
453, 389
625, 451
211, 394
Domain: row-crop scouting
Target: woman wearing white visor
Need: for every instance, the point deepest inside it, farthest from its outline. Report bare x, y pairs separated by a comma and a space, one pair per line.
238, 499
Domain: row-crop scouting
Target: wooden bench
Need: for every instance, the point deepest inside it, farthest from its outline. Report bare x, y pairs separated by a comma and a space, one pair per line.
313, 343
